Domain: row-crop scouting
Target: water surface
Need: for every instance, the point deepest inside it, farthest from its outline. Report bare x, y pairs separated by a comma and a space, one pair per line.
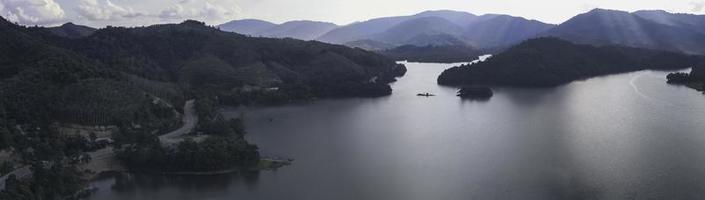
626, 136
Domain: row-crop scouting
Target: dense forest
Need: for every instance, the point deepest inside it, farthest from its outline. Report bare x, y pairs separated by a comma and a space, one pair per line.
202, 58
550, 62
224, 149
434, 54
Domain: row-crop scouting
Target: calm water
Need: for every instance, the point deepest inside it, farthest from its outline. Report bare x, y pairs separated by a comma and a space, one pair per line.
627, 136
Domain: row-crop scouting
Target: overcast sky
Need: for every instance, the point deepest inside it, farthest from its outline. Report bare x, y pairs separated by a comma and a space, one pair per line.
99, 13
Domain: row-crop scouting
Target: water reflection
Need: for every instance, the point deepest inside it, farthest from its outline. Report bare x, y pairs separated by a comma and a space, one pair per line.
605, 138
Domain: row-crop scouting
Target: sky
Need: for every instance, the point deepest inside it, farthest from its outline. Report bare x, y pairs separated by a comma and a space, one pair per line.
101, 13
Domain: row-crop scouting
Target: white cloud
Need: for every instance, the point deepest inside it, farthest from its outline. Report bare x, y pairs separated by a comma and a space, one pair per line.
106, 10
697, 6
32, 12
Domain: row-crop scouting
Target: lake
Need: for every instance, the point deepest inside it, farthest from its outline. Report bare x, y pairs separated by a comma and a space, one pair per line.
626, 136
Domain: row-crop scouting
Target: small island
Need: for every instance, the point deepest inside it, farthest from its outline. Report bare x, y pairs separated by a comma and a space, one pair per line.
475, 92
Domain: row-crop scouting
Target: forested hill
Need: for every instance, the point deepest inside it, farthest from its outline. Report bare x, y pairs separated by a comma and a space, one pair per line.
551, 62
130, 75
33, 74
434, 53
203, 57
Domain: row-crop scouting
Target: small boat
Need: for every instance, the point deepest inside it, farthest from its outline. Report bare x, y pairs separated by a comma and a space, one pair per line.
426, 95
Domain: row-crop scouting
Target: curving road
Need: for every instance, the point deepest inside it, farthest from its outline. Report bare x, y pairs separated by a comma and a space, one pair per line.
189, 123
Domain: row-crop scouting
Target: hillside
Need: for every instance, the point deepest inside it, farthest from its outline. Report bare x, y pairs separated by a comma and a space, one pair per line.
433, 54
488, 31
405, 32
303, 30
643, 29
370, 45
361, 30
247, 26
38, 80
500, 31
71, 30
551, 62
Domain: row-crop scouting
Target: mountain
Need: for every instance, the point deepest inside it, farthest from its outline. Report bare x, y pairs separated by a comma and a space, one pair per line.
424, 26
70, 30
247, 26
435, 40
435, 54
493, 31
361, 30
485, 32
303, 30
643, 29
551, 62
457, 17
41, 84
688, 21
370, 45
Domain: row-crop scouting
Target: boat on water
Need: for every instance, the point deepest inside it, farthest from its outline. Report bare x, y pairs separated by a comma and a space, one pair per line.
426, 95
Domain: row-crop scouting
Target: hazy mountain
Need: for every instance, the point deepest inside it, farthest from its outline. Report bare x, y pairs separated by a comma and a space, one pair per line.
551, 62
688, 21
435, 54
486, 31
435, 40
413, 28
373, 27
70, 30
246, 26
457, 17
370, 45
491, 31
645, 29
361, 30
304, 30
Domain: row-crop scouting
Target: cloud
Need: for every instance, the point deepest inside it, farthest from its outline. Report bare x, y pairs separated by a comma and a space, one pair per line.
105, 11
205, 10
697, 6
32, 12
176, 12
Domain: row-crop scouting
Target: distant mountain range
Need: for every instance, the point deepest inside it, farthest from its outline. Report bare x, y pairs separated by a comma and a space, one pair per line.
651, 29
303, 30
438, 28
